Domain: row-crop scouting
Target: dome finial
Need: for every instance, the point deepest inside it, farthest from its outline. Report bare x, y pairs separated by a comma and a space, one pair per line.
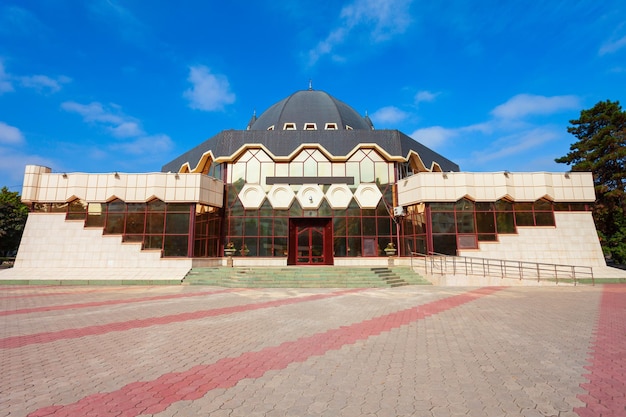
310, 84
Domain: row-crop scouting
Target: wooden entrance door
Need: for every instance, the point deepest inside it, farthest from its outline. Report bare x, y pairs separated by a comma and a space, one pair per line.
310, 242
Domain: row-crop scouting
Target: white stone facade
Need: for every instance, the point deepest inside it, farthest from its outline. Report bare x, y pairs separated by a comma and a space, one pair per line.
492, 186
573, 241
61, 249
41, 185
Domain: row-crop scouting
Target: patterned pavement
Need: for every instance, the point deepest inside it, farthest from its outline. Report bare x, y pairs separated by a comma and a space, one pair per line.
409, 351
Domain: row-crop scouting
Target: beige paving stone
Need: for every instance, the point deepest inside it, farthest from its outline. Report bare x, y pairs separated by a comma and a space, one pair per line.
516, 352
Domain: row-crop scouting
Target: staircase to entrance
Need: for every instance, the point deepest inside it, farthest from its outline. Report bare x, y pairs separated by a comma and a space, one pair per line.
304, 277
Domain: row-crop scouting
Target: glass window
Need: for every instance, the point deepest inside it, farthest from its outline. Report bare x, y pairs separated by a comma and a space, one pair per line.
544, 218
352, 170
251, 227
253, 171
542, 205
367, 170
267, 170
135, 218
524, 218
339, 246
340, 226
282, 169
505, 223
384, 226
266, 209
238, 172
296, 169
95, 215
324, 169
295, 210
265, 246
310, 168
467, 242
280, 246
153, 242
114, 224
465, 222
503, 205
485, 222
354, 226
443, 222
354, 246
369, 226
482, 206
175, 245
156, 205
382, 173
235, 226
177, 223
281, 226
155, 222
265, 226
445, 244
442, 206
464, 205
76, 210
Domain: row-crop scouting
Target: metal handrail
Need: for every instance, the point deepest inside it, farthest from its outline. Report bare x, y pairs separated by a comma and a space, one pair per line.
442, 264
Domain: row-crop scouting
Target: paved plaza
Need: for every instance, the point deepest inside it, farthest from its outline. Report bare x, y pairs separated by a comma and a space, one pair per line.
408, 351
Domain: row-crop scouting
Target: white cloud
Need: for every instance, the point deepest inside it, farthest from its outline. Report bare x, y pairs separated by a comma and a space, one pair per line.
425, 96
95, 112
515, 144
41, 82
389, 115
10, 135
380, 19
385, 18
112, 119
5, 80
120, 21
12, 163
434, 136
523, 105
209, 91
612, 46
38, 82
133, 140
155, 144
17, 21
126, 130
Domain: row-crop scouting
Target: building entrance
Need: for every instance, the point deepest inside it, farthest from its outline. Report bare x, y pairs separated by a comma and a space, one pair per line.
310, 242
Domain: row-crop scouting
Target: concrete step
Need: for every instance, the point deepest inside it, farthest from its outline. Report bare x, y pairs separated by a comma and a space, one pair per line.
304, 277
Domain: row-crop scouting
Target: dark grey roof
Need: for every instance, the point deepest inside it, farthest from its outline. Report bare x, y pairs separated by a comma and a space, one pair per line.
309, 106
284, 142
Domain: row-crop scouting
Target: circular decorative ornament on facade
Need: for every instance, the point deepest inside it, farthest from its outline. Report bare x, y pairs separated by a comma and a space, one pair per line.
251, 196
367, 195
310, 196
281, 196
339, 196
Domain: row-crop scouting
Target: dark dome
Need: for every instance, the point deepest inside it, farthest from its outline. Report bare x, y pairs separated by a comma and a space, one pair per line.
310, 109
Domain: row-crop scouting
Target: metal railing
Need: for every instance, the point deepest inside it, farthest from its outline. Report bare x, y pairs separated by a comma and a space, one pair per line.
435, 263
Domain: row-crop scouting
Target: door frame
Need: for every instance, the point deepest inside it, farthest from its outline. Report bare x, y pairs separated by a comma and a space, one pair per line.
327, 226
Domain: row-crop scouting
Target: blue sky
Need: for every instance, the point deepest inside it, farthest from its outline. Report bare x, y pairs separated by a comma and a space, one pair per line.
104, 85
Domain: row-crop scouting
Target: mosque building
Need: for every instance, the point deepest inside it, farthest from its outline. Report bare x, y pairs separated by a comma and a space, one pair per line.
307, 182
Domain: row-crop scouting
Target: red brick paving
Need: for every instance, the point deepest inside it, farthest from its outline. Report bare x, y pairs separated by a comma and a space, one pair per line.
47, 294
108, 302
155, 396
47, 337
607, 378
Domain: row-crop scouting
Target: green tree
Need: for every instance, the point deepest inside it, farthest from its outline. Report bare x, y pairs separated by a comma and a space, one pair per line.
13, 215
601, 149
